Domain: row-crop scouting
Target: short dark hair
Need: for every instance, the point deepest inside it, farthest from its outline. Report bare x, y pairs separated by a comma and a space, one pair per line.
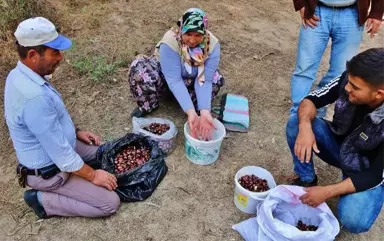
368, 65
23, 51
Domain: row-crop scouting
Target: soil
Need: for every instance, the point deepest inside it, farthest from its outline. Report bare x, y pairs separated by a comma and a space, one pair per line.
258, 40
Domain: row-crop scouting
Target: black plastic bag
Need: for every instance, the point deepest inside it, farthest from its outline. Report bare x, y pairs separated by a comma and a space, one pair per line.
139, 183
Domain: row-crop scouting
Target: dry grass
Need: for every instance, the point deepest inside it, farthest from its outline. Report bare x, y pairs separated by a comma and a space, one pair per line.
12, 13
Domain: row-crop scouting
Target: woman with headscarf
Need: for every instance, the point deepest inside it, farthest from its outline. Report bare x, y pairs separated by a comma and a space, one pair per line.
187, 58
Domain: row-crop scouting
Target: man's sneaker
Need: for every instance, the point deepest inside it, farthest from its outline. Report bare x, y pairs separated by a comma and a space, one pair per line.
30, 197
298, 182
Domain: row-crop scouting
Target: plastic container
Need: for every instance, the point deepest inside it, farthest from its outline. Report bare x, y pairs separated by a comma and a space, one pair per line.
204, 152
246, 200
167, 141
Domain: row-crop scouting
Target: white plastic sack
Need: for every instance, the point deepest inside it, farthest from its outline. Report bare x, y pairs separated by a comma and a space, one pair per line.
166, 140
278, 215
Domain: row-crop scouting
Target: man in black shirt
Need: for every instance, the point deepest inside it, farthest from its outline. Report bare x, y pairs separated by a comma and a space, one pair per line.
353, 141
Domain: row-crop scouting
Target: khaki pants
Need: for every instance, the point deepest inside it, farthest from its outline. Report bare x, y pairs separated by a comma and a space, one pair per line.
66, 194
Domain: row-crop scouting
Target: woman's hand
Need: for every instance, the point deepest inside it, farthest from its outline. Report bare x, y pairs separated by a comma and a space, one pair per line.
206, 125
193, 122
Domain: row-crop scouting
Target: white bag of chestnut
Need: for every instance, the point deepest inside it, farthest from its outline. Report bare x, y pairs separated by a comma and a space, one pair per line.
283, 217
161, 130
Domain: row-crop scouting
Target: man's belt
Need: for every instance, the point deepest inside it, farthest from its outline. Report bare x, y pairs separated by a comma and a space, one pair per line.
34, 172
337, 6
45, 173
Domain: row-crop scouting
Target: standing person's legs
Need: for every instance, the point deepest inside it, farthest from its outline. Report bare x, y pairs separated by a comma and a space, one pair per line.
326, 142
358, 211
311, 46
146, 82
346, 35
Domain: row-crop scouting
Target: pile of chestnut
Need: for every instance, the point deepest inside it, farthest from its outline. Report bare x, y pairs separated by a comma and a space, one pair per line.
254, 183
304, 227
157, 128
131, 157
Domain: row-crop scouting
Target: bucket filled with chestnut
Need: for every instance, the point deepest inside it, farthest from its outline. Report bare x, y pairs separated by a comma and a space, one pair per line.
252, 185
158, 129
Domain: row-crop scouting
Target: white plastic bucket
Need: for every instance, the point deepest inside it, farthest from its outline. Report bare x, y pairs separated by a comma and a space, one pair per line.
246, 200
204, 152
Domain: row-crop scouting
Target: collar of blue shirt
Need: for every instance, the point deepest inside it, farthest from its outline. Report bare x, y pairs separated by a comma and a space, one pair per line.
30, 73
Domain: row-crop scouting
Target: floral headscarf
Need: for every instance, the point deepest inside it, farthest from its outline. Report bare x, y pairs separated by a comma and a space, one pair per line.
194, 20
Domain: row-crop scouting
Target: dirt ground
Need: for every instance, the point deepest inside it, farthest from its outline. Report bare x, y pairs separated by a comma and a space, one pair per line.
193, 202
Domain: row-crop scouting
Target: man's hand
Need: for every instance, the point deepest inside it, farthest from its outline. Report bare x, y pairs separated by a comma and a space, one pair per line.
373, 26
88, 137
305, 142
193, 122
206, 125
315, 196
98, 177
104, 179
312, 22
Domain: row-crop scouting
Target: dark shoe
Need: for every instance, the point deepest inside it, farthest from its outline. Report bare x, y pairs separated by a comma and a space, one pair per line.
30, 197
299, 182
138, 112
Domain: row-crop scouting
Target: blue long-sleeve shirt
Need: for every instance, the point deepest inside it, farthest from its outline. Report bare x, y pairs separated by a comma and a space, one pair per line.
175, 73
39, 124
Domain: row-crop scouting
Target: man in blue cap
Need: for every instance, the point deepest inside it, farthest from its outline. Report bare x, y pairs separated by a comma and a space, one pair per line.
52, 153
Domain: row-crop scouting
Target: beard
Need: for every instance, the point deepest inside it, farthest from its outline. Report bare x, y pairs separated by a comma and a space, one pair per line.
47, 69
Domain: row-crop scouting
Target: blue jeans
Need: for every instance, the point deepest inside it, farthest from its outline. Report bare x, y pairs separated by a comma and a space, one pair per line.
341, 25
357, 211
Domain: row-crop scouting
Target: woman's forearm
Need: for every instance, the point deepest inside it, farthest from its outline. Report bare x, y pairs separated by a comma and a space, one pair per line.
171, 69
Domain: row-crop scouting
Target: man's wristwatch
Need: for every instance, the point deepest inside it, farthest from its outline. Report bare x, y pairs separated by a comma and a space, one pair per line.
77, 130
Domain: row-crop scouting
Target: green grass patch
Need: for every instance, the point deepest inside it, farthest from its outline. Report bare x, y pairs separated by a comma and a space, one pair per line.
96, 67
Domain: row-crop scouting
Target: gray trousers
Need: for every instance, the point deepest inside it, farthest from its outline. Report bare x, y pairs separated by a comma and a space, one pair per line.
66, 194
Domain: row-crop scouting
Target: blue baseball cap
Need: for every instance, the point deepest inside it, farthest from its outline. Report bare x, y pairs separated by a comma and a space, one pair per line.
40, 31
